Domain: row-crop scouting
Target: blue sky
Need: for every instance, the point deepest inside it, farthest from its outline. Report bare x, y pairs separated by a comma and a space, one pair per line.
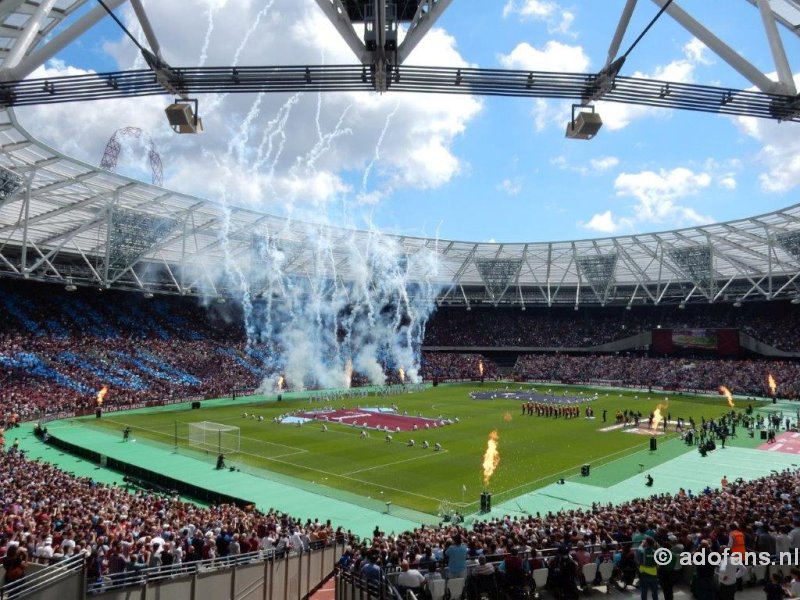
471, 169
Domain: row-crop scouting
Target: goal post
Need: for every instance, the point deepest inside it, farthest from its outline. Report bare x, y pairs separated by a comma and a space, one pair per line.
215, 437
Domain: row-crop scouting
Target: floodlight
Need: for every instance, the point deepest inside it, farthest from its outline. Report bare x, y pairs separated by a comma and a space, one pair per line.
183, 118
148, 295
585, 125
795, 300
70, 287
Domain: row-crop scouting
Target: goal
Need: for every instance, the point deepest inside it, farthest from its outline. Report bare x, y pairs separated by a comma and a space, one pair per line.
214, 437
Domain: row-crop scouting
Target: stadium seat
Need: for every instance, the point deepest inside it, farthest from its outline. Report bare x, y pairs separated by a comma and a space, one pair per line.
540, 578
606, 571
437, 588
758, 573
455, 588
589, 573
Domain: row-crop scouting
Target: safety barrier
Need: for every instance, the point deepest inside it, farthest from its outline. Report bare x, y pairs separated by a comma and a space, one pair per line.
262, 575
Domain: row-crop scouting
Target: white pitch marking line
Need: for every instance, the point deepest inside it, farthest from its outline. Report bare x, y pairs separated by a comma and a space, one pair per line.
397, 462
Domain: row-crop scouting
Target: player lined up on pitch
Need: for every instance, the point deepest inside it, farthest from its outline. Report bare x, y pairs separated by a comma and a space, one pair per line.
557, 411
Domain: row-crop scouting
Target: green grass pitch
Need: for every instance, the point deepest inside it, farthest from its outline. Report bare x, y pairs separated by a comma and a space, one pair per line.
534, 451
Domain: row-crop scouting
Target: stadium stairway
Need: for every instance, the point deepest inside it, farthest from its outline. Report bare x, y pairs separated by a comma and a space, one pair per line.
327, 591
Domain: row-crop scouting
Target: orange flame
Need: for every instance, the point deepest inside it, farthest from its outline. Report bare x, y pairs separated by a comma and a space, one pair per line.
280, 383
480, 368
507, 417
728, 396
491, 457
658, 416
101, 394
773, 385
402, 374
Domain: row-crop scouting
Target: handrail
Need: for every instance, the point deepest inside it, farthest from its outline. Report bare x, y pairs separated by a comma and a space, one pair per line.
29, 584
137, 577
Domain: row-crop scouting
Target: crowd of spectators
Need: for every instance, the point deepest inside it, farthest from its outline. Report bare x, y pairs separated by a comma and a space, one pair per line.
774, 323
58, 349
452, 366
120, 531
743, 377
762, 515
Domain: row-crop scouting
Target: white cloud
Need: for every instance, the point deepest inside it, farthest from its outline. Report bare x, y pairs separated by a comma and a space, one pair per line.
728, 182
553, 56
604, 163
657, 193
558, 19
780, 150
596, 166
603, 223
658, 197
512, 187
272, 150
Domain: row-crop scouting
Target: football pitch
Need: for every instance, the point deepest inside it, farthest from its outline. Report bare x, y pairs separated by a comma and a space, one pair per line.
534, 450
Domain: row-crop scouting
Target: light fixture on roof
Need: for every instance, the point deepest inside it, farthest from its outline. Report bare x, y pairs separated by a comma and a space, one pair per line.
628, 307
682, 305
796, 300
182, 117
70, 287
221, 300
585, 125
148, 294
737, 304
576, 307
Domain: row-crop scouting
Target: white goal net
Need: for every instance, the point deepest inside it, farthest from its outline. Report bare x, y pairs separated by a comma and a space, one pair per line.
214, 437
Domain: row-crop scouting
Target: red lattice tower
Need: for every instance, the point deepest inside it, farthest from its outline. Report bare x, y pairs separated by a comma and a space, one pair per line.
114, 148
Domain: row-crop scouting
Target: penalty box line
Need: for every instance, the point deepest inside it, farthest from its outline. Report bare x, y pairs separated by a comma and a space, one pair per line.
172, 437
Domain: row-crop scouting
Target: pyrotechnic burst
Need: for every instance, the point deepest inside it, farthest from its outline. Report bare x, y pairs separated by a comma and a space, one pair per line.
507, 417
491, 458
773, 385
101, 395
348, 373
480, 368
728, 396
658, 415
280, 383
401, 372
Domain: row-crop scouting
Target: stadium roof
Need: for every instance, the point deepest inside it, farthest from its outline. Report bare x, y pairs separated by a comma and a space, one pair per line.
67, 221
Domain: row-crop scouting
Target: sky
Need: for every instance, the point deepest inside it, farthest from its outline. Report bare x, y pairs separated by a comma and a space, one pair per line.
452, 167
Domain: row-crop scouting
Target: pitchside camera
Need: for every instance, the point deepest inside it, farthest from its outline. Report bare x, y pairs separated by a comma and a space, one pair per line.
183, 118
585, 125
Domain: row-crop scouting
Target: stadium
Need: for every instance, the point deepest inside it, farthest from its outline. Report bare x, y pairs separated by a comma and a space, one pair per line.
218, 397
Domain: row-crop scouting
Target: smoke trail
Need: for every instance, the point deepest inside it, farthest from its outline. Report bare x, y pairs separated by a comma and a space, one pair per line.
377, 155
212, 11
216, 100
